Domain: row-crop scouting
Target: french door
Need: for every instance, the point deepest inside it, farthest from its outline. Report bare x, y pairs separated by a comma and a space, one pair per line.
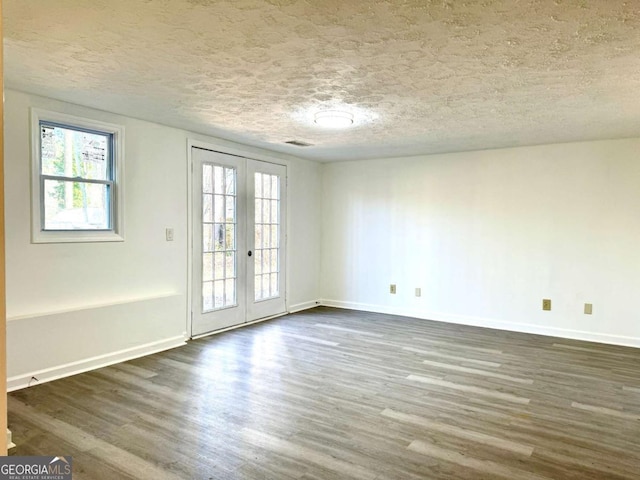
239, 218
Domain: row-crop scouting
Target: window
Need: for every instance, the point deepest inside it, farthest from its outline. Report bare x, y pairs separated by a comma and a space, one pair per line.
77, 189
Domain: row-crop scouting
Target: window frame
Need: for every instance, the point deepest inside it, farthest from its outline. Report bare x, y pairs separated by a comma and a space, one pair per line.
116, 207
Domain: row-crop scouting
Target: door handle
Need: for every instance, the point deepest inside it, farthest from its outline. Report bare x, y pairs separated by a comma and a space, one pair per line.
250, 253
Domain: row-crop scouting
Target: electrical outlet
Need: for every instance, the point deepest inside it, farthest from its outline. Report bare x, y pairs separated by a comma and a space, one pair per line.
418, 292
588, 308
392, 288
169, 234
546, 304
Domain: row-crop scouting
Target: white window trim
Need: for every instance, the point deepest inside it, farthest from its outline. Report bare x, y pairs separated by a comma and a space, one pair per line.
72, 236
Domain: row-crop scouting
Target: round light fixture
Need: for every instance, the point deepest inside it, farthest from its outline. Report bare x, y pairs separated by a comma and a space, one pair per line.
333, 119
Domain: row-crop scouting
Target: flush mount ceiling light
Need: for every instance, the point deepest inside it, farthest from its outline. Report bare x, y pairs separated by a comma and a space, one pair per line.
333, 119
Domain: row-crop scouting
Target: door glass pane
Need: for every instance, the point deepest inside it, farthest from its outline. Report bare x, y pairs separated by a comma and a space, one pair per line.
207, 296
207, 178
218, 294
218, 201
231, 237
230, 291
230, 206
230, 181
207, 208
218, 235
258, 203
267, 236
258, 185
258, 287
266, 186
207, 237
207, 266
266, 211
258, 237
266, 261
219, 265
218, 179
230, 266
258, 262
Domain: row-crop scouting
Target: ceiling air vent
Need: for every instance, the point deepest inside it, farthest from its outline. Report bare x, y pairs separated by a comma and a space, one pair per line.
299, 143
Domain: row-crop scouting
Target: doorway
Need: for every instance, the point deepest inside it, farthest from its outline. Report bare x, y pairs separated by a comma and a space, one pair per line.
239, 251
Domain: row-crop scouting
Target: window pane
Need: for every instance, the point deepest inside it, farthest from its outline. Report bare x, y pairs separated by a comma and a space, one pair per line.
274, 236
68, 152
274, 211
274, 285
274, 261
76, 205
275, 190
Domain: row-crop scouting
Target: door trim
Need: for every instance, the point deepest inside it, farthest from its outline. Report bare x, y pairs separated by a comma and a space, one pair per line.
237, 152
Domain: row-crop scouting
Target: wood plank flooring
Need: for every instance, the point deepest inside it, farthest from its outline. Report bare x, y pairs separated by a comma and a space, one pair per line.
335, 394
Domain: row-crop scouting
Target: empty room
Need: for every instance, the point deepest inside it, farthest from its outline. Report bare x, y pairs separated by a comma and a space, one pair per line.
314, 240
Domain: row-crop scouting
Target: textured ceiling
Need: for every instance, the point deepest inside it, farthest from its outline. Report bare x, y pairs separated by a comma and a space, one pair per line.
420, 76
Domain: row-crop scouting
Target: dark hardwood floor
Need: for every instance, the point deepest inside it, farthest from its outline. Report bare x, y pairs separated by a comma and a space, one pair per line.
334, 394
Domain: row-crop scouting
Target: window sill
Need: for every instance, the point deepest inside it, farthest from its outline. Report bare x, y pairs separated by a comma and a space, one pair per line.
75, 237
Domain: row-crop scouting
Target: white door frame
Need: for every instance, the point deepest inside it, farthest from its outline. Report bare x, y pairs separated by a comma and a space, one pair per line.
251, 155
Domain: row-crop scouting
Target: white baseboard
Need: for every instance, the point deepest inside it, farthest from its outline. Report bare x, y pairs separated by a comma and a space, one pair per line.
66, 370
489, 323
298, 307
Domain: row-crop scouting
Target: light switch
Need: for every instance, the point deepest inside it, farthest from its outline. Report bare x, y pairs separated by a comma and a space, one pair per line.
169, 234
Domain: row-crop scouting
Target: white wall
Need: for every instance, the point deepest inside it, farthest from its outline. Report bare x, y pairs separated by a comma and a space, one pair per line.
487, 235
74, 306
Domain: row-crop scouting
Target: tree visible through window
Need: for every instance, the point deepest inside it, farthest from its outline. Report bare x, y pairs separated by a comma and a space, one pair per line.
77, 179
